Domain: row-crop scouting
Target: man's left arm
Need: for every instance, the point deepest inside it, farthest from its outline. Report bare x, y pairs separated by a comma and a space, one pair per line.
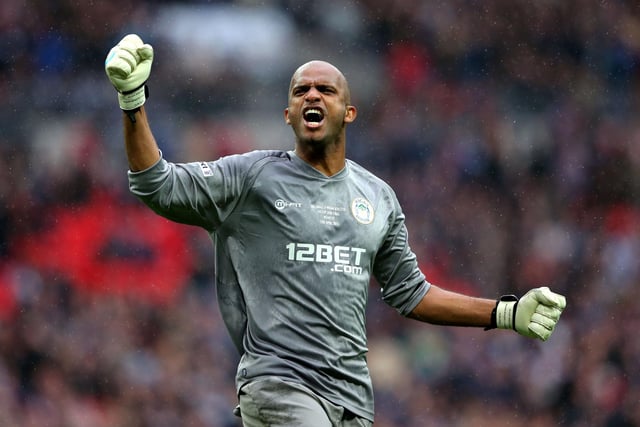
534, 315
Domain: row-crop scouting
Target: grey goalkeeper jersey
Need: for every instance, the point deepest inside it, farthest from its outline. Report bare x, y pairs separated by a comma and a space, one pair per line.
294, 252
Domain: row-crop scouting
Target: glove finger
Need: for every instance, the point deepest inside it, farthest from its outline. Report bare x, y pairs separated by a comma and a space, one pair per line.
125, 55
145, 52
133, 44
544, 321
550, 312
112, 54
131, 41
118, 67
130, 55
539, 331
547, 297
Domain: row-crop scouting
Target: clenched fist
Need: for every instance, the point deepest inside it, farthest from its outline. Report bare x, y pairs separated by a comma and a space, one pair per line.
128, 66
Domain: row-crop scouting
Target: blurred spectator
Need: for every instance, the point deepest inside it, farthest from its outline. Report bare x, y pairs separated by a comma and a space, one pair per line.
509, 129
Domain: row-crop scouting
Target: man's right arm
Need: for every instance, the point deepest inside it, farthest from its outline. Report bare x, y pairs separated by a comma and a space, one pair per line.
140, 145
128, 66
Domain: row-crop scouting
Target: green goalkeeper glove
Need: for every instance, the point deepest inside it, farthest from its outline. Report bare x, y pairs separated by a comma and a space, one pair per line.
535, 315
128, 66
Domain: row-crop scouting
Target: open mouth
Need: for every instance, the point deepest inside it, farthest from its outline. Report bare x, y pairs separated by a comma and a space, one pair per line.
313, 117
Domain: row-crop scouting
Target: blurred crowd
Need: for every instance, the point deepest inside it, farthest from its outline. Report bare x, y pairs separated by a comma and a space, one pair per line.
509, 129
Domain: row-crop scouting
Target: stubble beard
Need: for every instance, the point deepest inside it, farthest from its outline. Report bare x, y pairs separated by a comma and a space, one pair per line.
319, 142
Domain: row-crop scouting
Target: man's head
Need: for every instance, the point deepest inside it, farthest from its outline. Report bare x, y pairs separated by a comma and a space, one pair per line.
319, 104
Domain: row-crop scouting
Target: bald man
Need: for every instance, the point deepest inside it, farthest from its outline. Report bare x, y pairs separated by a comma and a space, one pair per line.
298, 235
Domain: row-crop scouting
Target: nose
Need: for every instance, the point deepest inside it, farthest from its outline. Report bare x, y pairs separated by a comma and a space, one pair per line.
312, 94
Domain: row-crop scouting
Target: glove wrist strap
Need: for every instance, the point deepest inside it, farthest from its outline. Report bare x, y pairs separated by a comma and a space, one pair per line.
506, 312
133, 99
503, 315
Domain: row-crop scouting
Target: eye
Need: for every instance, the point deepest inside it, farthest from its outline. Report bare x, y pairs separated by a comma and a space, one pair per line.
300, 90
326, 89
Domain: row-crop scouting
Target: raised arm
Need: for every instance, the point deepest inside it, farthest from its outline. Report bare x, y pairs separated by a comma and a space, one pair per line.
128, 66
140, 145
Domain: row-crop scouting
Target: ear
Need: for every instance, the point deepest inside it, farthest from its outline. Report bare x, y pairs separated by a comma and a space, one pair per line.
286, 116
350, 114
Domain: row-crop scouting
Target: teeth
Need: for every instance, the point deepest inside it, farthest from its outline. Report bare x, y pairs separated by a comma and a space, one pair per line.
313, 114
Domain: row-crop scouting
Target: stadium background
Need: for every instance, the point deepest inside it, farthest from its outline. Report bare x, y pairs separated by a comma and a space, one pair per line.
510, 130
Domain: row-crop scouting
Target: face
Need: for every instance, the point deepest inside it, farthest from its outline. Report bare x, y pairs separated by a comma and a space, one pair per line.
319, 107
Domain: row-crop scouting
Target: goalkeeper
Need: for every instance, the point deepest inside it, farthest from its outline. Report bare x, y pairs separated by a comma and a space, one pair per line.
297, 236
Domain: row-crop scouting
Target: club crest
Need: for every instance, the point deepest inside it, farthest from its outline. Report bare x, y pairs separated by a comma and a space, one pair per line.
362, 210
